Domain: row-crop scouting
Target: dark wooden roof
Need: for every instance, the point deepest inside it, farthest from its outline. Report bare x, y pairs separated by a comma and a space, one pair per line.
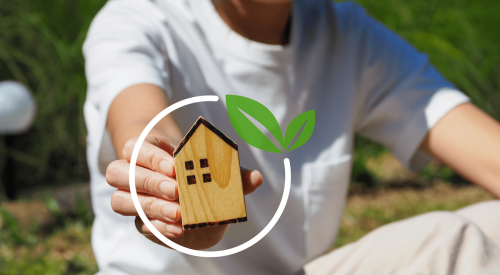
212, 128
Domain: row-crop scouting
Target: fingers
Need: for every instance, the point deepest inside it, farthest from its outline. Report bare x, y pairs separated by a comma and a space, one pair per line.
146, 181
155, 154
169, 230
252, 179
157, 184
153, 207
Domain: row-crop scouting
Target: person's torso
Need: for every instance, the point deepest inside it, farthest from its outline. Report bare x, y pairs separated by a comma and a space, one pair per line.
202, 56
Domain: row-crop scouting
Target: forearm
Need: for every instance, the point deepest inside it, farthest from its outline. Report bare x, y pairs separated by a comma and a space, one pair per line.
133, 109
468, 141
134, 129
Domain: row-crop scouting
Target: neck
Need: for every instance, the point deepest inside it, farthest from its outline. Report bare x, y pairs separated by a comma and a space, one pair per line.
257, 20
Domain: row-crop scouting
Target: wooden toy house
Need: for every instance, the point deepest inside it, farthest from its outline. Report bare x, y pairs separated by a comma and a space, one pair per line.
209, 179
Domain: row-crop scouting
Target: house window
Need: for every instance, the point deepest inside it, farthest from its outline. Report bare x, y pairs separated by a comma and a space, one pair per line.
192, 179
189, 165
203, 163
207, 177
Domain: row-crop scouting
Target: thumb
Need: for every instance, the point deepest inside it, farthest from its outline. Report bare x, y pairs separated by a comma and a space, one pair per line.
252, 179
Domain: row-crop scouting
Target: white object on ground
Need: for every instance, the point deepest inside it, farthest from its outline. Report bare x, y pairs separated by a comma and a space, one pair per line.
17, 108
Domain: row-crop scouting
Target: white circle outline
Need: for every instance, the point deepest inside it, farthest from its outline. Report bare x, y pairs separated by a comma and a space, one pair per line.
161, 237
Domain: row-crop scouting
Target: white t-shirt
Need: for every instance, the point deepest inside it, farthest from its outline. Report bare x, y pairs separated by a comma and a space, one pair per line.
357, 76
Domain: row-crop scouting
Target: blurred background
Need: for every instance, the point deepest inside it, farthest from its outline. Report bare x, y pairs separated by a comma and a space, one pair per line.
45, 212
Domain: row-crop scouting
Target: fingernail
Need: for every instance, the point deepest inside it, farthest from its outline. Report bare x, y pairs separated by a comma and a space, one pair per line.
169, 210
256, 176
173, 229
167, 189
167, 167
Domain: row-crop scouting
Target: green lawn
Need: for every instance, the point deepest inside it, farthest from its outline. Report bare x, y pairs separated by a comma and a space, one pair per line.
66, 250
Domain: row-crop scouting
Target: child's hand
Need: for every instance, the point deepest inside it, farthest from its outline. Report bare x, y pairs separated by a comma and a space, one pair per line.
158, 193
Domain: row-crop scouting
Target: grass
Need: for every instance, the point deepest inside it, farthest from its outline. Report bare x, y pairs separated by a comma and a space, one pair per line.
65, 251
64, 248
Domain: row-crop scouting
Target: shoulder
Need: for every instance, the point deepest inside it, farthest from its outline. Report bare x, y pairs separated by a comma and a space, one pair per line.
351, 18
139, 16
136, 25
121, 21
369, 39
126, 12
348, 11
344, 23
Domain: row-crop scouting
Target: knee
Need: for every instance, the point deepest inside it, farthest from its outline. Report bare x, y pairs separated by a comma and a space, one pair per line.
490, 208
486, 215
444, 221
444, 217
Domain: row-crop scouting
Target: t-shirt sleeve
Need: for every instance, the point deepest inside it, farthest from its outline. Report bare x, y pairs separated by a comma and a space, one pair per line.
399, 94
123, 47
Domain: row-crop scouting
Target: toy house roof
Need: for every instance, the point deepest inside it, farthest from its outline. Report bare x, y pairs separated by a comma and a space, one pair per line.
212, 128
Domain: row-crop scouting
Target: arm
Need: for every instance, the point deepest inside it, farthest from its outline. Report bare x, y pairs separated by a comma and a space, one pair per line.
133, 109
129, 114
468, 140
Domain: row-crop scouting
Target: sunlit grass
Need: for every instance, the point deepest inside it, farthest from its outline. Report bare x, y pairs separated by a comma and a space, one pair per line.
64, 248
66, 251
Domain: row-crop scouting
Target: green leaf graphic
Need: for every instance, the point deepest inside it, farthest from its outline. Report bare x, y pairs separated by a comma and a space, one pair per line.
294, 127
246, 129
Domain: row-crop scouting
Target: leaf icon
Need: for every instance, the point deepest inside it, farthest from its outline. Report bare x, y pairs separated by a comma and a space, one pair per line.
294, 127
246, 129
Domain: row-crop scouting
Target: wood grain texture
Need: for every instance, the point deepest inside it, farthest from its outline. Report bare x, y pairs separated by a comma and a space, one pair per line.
219, 201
